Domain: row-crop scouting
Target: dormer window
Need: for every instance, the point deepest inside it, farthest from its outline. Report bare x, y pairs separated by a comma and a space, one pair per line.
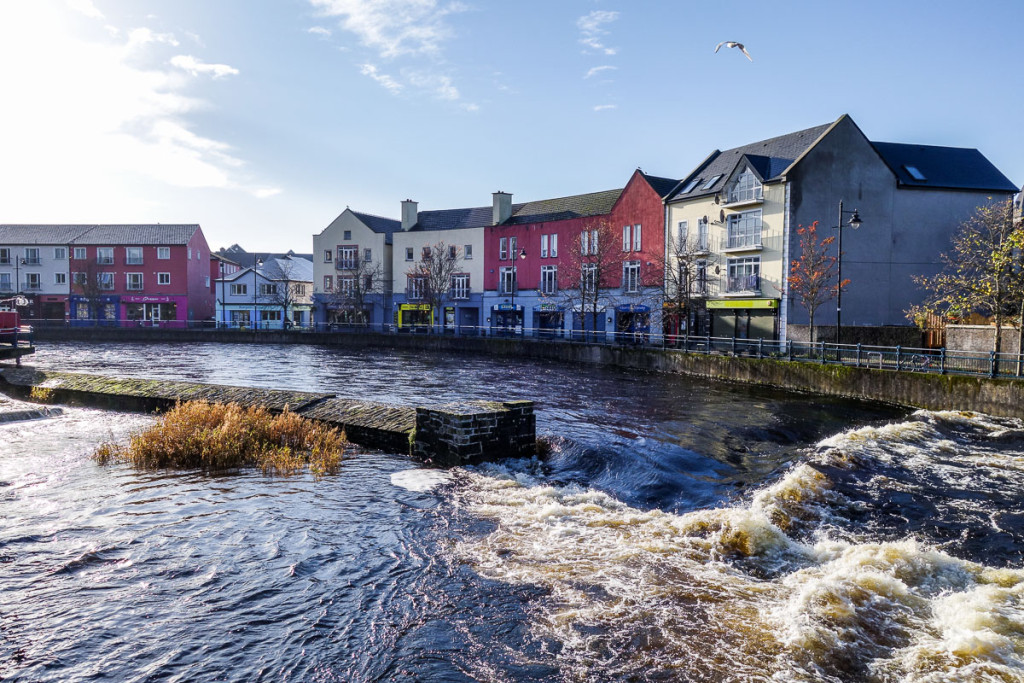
746, 188
915, 173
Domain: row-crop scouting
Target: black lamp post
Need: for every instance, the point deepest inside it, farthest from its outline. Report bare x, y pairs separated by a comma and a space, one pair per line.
255, 284
223, 297
854, 223
515, 286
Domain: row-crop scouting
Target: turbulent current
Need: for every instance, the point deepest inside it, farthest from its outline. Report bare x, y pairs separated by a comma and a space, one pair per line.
676, 531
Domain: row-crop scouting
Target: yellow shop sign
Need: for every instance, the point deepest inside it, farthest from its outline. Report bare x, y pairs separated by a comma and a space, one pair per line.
743, 303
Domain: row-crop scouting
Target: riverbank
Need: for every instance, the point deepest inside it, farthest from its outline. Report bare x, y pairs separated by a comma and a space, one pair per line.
1001, 397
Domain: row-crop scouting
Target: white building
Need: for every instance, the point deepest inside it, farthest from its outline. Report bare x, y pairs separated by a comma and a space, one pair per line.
276, 294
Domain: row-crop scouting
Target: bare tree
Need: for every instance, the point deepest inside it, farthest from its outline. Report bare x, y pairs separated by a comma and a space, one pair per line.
283, 290
431, 276
812, 276
593, 264
983, 273
89, 284
685, 265
354, 288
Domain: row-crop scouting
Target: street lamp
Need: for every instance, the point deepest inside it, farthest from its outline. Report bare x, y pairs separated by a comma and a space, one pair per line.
223, 298
515, 286
854, 223
255, 284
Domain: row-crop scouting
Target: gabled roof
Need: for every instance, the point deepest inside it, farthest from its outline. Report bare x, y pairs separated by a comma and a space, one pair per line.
453, 219
956, 168
663, 186
768, 157
246, 259
563, 208
159, 234
379, 224
290, 268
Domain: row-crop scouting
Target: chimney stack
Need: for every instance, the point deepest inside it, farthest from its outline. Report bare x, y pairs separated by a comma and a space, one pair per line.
502, 210
410, 214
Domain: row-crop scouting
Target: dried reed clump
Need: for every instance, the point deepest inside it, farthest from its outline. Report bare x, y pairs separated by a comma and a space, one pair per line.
209, 436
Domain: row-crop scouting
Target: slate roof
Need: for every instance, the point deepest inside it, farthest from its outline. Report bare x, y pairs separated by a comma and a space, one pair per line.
379, 224
768, 157
453, 219
292, 268
247, 259
663, 186
97, 234
957, 168
562, 208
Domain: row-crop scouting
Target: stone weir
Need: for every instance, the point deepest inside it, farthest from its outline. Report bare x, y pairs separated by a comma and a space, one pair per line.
445, 435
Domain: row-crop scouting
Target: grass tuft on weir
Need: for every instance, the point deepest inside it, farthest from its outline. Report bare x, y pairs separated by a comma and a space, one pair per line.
211, 436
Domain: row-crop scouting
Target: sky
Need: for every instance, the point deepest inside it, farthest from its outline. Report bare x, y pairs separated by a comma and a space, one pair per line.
262, 120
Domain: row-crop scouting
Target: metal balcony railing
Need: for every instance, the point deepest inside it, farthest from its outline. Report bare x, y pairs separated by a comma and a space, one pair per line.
737, 241
743, 283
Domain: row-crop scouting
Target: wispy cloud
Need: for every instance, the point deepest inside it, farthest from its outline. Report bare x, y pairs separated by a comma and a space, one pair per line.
319, 31
394, 27
198, 68
599, 69
85, 7
441, 86
384, 80
604, 107
592, 30
130, 127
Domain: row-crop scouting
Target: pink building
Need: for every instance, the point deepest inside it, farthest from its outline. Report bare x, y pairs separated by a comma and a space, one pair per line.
140, 275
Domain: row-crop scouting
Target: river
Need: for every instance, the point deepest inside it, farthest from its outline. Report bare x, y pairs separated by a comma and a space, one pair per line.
679, 530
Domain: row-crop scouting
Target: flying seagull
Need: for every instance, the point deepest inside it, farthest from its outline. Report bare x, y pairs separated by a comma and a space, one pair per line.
733, 43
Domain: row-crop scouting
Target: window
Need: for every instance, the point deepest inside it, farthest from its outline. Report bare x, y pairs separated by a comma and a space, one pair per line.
60, 253
711, 183
347, 257
80, 253
700, 280
416, 286
467, 251
367, 255
626, 234
631, 277
60, 278
134, 281
206, 281
239, 290
32, 256
347, 285
512, 252
744, 230
5, 256
589, 277
33, 281
271, 316
162, 253
593, 242
328, 283
299, 289
105, 280
549, 279
347, 235
915, 173
105, 255
452, 252
425, 254
328, 255
503, 249
684, 228
133, 256
637, 232
744, 274
507, 280
268, 290
5, 282
78, 279
554, 246
746, 188
163, 278
460, 286
408, 253
368, 283
543, 246
702, 235
190, 253
584, 243
689, 186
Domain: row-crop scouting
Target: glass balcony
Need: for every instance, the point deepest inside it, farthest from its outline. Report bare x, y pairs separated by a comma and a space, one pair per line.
740, 241
743, 283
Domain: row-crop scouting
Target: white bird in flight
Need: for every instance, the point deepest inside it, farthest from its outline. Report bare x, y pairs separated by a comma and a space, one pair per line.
733, 43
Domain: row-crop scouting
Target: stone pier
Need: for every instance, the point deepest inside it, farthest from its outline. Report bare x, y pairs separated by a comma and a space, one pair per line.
445, 435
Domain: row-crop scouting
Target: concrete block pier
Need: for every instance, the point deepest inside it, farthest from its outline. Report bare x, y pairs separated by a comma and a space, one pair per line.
444, 435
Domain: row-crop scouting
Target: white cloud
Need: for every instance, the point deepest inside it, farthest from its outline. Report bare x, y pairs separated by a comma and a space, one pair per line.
95, 129
196, 67
591, 27
384, 80
603, 107
85, 7
394, 27
440, 85
319, 31
599, 69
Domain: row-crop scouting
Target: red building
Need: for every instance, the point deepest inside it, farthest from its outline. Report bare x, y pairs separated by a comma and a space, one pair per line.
538, 254
140, 274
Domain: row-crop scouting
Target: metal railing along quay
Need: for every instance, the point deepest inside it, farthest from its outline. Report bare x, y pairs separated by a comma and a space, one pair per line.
890, 358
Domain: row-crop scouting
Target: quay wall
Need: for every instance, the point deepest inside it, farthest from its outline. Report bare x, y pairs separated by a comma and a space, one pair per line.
1000, 396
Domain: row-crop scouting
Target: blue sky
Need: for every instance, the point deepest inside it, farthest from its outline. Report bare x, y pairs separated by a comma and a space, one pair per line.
263, 119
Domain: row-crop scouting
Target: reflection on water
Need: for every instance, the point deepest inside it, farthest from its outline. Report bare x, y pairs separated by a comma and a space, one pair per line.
678, 531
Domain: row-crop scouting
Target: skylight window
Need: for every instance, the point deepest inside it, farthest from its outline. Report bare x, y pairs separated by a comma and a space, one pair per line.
689, 186
915, 173
712, 182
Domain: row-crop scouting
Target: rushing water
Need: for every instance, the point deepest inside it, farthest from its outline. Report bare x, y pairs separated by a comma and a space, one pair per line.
679, 530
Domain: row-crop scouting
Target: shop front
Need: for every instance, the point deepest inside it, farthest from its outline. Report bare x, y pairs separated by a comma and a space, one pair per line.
744, 318
152, 311
632, 323
414, 317
53, 308
589, 324
86, 311
550, 320
506, 320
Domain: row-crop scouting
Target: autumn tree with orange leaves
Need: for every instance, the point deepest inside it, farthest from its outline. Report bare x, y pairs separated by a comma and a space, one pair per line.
812, 277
